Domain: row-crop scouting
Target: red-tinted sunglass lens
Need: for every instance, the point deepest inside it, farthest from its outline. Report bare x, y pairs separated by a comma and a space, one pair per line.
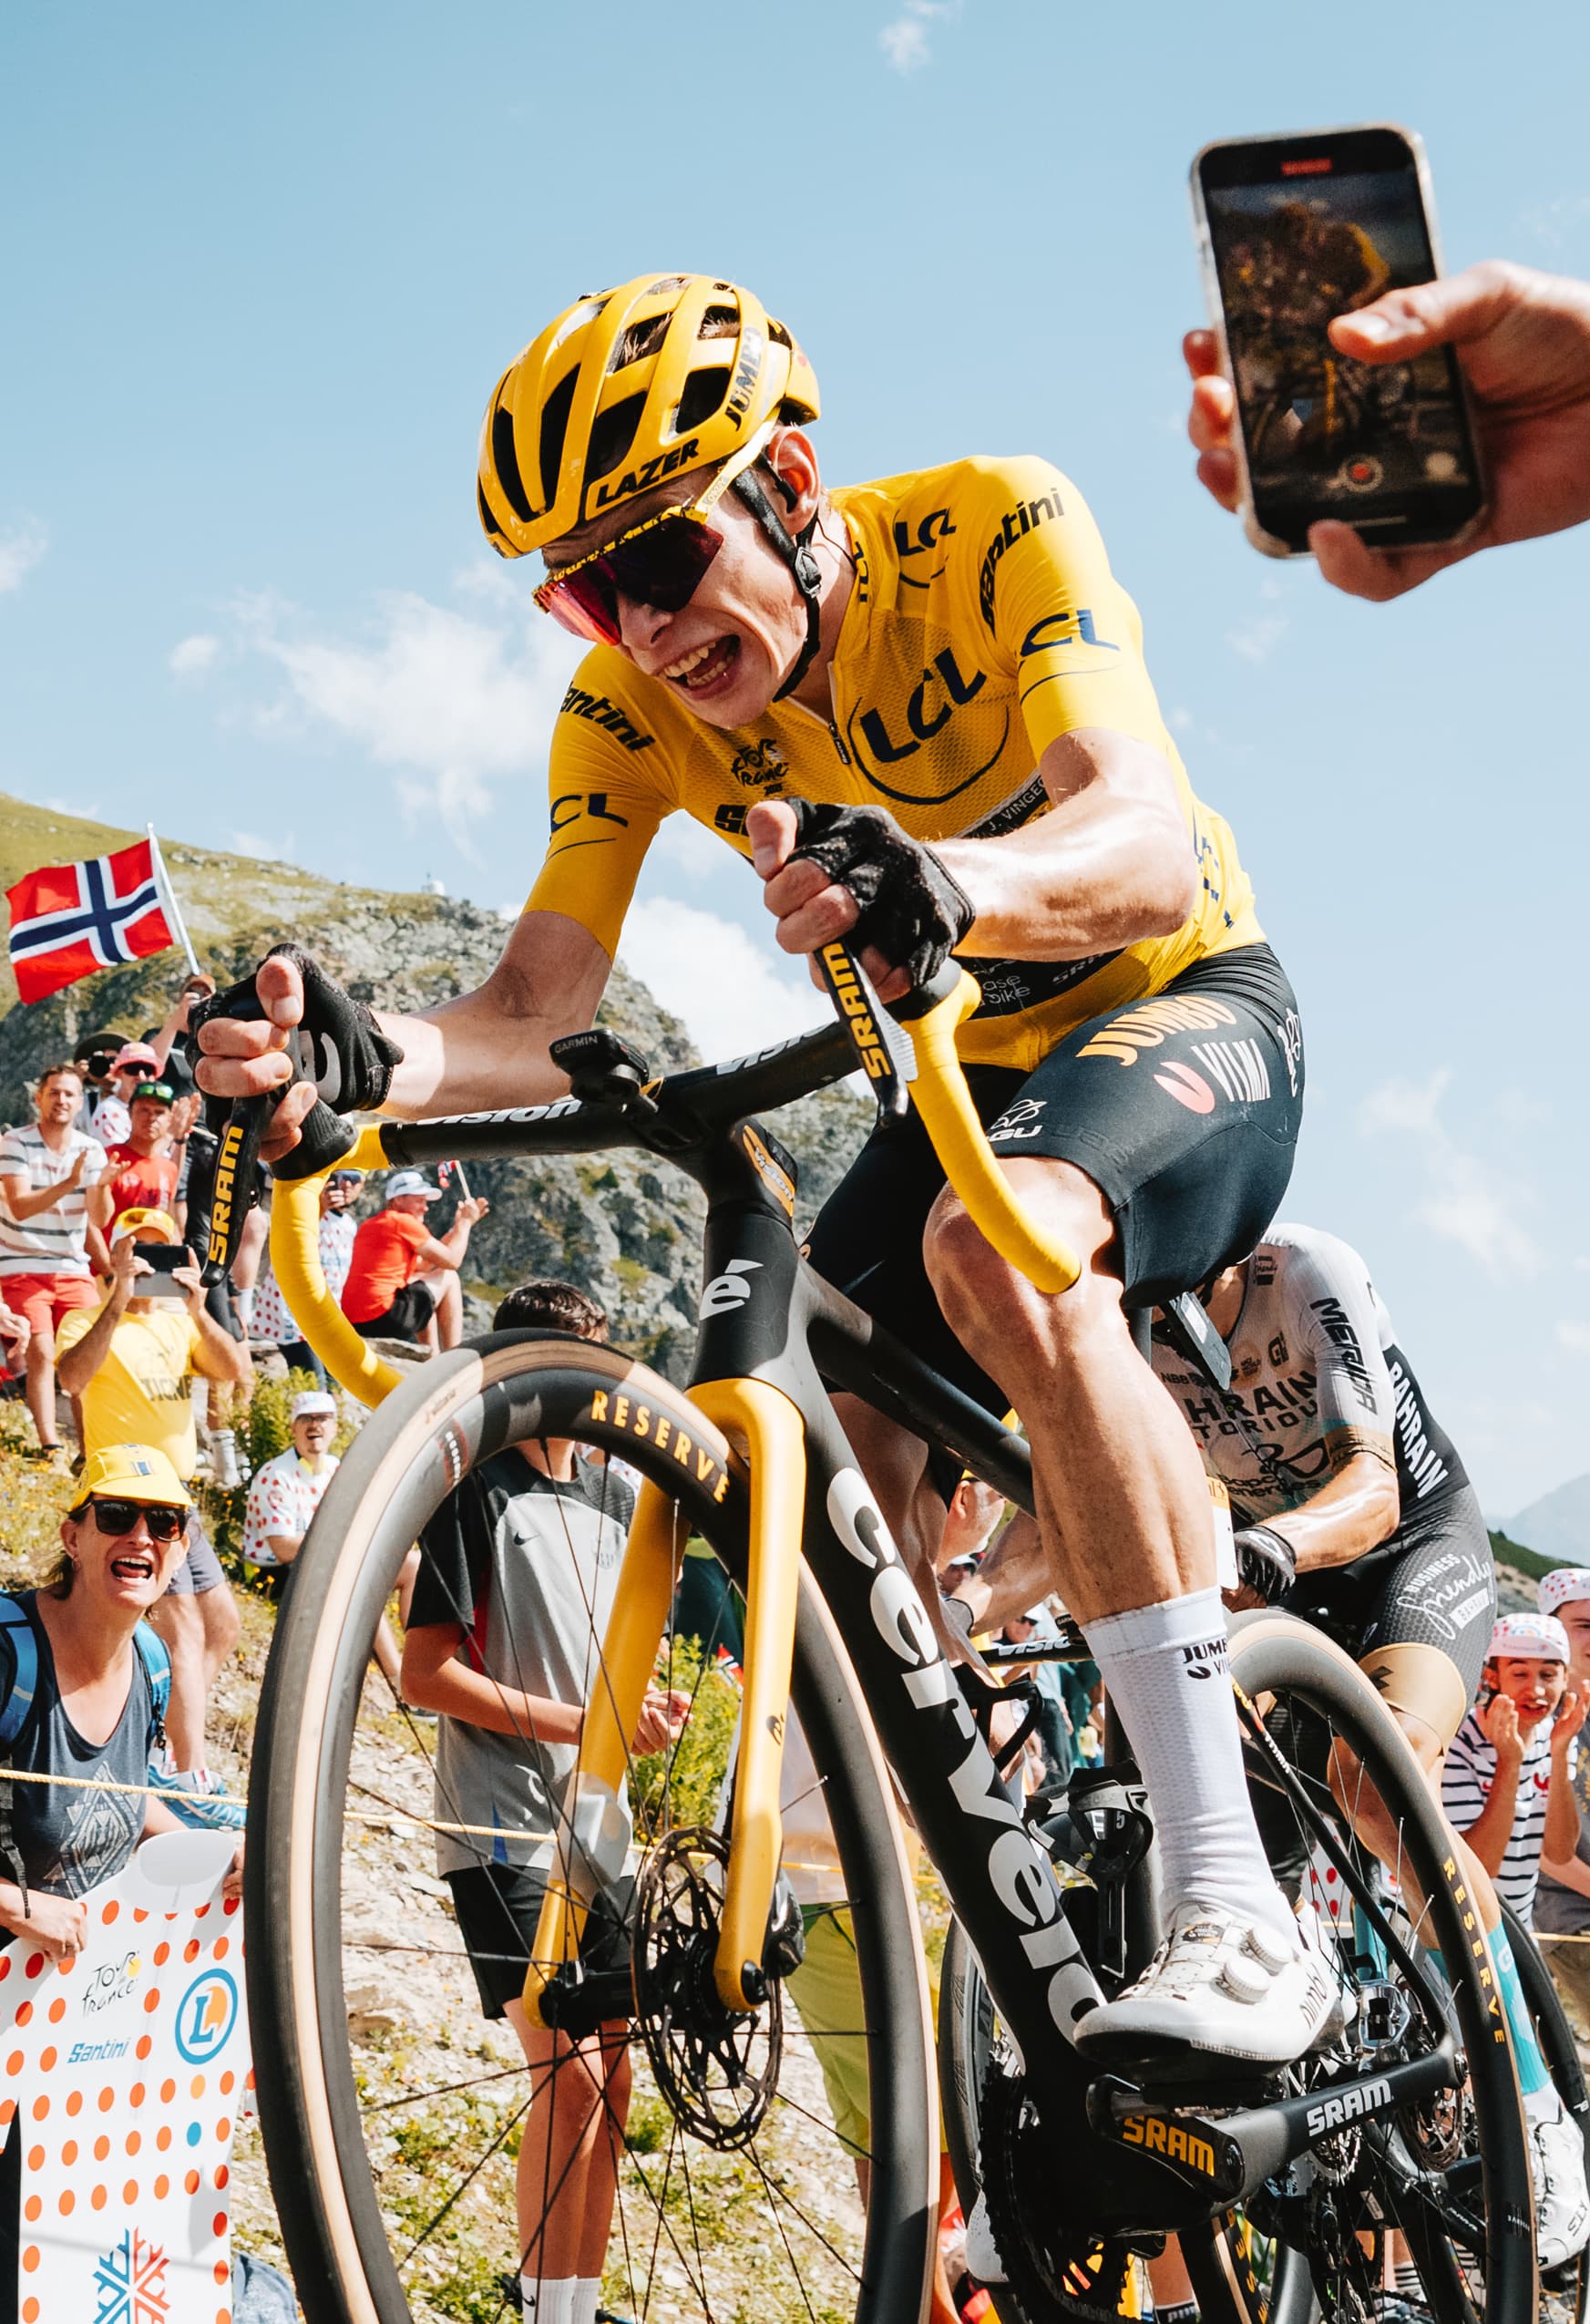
665, 567
584, 602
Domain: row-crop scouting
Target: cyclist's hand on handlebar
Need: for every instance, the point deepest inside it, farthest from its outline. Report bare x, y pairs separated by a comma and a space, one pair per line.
1267, 1565
834, 872
289, 1013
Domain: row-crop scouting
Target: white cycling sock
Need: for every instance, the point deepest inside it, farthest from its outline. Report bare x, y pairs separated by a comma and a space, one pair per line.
548, 2299
587, 2299
1164, 1669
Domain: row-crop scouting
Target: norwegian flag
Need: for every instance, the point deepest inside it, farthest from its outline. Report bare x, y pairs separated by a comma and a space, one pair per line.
71, 919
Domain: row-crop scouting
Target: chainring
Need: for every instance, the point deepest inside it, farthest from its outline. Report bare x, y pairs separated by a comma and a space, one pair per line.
716, 2068
1056, 2266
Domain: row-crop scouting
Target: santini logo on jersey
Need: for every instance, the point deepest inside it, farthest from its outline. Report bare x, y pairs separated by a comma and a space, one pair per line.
578, 704
1022, 519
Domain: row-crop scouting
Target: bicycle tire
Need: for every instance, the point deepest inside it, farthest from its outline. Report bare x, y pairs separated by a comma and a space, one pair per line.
1277, 1660
456, 1411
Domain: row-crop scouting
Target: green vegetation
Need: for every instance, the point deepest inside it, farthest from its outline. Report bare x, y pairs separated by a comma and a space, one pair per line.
1527, 1562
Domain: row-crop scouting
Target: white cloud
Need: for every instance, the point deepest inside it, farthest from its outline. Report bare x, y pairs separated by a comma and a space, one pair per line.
1575, 1337
1560, 223
731, 994
1464, 1199
453, 700
191, 656
1257, 640
249, 843
19, 553
904, 40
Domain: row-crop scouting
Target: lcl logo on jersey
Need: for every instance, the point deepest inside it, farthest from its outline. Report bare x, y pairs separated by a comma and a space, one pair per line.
920, 710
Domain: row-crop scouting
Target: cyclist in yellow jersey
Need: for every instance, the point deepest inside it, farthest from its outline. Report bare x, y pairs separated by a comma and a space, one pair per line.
920, 707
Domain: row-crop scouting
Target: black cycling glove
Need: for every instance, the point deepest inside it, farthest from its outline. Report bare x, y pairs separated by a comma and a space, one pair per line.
338, 1047
910, 908
1267, 1562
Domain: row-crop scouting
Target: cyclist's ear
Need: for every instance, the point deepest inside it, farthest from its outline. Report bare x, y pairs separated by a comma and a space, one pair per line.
792, 465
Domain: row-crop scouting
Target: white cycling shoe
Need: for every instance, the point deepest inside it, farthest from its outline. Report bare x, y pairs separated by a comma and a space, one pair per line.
1229, 1987
1562, 2204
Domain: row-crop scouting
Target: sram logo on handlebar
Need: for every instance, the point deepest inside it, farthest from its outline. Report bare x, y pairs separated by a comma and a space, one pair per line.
226, 1172
884, 1054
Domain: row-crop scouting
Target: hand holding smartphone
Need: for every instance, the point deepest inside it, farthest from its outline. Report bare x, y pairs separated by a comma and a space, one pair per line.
1294, 232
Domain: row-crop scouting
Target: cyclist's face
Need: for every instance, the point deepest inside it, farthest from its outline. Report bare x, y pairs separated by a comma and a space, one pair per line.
724, 654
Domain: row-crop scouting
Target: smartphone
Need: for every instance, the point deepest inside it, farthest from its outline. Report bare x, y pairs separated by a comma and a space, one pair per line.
1292, 232
163, 1258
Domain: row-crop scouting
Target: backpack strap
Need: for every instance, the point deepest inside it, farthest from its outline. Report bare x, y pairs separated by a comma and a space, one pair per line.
19, 1630
156, 1663
14, 1716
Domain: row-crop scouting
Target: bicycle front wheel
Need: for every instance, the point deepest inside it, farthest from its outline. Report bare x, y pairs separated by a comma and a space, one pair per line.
391, 2117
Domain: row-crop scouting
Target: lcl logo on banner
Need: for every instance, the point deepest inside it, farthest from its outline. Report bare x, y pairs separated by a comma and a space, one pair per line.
125, 2071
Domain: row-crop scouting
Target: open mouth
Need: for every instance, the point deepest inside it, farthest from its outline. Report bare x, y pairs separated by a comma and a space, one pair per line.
134, 1565
705, 667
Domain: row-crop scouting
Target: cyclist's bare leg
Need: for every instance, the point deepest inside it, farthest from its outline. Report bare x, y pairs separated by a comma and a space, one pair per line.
1122, 1503
1125, 1514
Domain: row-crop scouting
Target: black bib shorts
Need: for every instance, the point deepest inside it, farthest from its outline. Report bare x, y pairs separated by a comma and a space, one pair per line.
1183, 1109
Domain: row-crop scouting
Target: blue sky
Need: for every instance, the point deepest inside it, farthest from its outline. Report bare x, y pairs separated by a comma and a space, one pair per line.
263, 267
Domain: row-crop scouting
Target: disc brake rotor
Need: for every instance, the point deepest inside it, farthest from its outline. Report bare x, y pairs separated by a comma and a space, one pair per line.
716, 2068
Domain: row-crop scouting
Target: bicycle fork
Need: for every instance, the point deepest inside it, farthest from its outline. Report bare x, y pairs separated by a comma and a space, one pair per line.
770, 1427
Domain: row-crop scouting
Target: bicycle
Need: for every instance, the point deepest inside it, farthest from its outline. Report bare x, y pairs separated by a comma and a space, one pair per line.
1090, 2170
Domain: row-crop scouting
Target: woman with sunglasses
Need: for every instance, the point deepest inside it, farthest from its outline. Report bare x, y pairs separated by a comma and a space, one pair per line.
918, 707
93, 1711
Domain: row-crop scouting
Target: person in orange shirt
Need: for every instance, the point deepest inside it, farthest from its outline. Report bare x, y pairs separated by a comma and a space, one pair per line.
403, 1283
143, 1170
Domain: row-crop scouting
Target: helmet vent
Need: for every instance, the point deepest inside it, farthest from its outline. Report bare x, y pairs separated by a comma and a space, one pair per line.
554, 427
506, 460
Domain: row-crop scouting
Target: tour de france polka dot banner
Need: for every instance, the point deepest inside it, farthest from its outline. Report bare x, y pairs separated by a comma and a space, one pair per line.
124, 2072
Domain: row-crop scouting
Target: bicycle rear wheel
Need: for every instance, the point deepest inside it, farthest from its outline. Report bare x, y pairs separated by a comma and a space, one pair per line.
388, 2150
1451, 2174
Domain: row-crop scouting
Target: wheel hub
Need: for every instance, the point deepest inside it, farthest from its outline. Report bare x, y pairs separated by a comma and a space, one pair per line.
716, 2068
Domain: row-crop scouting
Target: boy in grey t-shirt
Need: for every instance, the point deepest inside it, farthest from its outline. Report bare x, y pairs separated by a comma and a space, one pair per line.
515, 1583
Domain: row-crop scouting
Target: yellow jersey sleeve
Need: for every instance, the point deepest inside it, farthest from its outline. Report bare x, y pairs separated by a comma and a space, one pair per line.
1046, 593
609, 790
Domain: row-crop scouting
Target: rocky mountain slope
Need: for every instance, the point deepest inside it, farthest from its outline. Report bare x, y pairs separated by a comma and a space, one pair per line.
621, 1226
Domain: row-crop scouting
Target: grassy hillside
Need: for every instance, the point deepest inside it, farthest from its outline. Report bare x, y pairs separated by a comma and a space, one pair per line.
1527, 1562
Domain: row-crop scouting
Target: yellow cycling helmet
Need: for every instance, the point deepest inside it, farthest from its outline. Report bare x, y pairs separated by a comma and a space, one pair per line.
624, 388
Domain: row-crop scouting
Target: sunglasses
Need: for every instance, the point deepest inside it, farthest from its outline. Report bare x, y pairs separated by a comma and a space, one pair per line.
659, 563
115, 1517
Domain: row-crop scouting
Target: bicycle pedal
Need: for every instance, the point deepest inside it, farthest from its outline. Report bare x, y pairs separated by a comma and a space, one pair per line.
1181, 2077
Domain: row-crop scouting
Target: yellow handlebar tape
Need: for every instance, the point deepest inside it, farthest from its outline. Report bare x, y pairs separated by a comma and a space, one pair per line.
295, 1260
942, 1098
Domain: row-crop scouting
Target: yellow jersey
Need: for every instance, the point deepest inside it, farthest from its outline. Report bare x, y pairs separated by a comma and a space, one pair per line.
983, 622
140, 1393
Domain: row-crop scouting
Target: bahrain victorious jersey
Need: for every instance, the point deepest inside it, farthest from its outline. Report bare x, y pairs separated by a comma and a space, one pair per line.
1318, 1377
983, 623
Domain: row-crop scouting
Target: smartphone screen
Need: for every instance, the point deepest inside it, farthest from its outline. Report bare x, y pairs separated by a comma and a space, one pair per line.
163, 1260
1301, 230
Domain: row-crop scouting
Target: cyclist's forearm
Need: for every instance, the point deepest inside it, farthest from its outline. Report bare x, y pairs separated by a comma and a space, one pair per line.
1356, 1511
488, 1047
1109, 864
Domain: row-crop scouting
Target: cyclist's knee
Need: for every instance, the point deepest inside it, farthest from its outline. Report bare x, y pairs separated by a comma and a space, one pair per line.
985, 1300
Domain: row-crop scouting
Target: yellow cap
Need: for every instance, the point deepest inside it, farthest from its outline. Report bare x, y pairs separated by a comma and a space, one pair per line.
132, 1473
141, 1220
